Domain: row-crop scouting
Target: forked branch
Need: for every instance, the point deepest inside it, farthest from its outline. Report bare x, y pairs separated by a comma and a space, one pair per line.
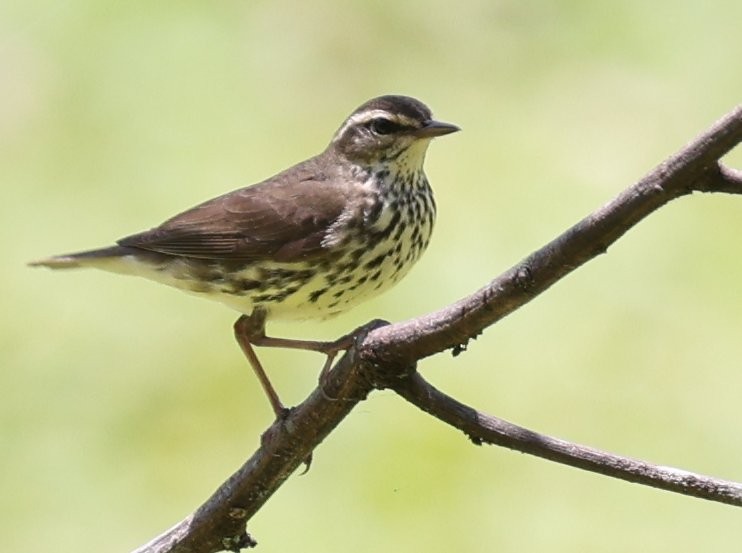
384, 356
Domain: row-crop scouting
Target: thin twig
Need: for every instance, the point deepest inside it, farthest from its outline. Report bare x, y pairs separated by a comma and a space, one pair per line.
482, 428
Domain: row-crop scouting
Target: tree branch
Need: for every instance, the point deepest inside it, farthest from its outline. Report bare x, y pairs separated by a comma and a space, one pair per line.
482, 428
384, 357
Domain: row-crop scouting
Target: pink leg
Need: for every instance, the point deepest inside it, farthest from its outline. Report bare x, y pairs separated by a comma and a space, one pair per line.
250, 331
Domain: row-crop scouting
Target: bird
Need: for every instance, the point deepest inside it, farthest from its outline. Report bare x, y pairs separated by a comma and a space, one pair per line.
308, 243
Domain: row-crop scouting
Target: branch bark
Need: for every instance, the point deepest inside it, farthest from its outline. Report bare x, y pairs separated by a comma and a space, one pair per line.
384, 356
482, 428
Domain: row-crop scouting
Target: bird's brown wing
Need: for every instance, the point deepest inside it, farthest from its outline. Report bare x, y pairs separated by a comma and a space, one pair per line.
284, 218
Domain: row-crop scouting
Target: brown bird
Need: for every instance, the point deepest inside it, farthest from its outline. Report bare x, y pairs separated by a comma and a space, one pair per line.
308, 243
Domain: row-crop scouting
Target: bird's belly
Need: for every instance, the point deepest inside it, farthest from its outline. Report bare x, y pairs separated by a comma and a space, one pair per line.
323, 290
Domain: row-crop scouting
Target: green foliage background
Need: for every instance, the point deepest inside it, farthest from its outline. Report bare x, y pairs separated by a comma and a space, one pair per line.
125, 404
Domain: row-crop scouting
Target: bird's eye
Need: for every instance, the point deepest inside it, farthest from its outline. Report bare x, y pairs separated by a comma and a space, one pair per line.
383, 126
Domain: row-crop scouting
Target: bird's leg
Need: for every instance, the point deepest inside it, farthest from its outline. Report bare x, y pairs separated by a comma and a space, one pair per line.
246, 329
330, 349
250, 331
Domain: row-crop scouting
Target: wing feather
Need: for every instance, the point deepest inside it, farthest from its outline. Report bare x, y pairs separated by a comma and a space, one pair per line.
284, 218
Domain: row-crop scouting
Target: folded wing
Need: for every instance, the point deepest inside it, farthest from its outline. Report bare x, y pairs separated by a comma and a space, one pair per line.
284, 218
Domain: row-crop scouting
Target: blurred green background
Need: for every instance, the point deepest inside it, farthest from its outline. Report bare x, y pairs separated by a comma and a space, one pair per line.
124, 404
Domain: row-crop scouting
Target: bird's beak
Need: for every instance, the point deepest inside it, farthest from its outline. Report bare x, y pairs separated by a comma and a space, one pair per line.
435, 128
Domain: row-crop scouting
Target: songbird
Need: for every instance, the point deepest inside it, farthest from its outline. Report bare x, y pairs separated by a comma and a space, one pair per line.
308, 243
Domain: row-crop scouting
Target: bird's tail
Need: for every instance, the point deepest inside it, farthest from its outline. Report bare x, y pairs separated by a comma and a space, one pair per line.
90, 258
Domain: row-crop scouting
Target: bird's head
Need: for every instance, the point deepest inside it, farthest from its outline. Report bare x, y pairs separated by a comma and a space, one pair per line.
388, 129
